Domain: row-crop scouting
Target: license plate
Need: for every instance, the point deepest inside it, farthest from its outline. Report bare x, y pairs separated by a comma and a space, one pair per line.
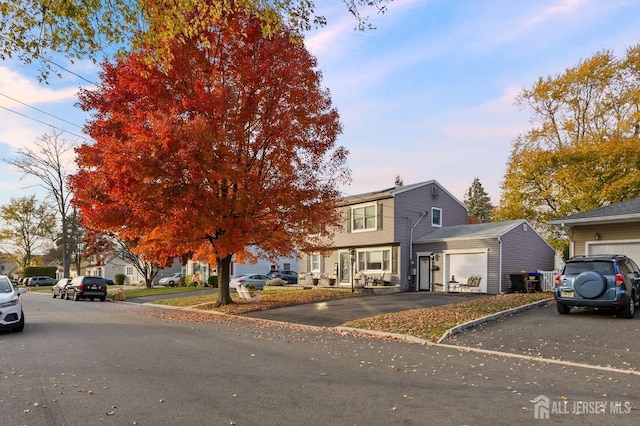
566, 293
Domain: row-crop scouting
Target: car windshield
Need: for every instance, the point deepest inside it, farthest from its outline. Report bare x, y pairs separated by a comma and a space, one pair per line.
5, 286
604, 267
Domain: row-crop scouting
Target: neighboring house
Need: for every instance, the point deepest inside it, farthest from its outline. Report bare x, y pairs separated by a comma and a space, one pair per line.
262, 266
377, 235
109, 266
8, 266
612, 229
480, 257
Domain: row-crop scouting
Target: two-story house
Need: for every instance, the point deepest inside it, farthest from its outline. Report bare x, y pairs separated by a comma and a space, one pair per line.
375, 244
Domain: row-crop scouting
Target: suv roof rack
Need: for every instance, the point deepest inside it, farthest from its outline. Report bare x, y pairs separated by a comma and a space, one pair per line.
596, 256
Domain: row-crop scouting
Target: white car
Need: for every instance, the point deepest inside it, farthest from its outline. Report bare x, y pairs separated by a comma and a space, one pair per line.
257, 280
11, 315
171, 280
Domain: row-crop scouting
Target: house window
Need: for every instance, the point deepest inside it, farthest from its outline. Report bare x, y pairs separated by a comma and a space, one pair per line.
315, 262
364, 218
128, 270
436, 216
374, 260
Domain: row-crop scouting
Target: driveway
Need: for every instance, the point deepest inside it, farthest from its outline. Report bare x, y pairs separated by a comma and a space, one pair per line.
584, 336
335, 312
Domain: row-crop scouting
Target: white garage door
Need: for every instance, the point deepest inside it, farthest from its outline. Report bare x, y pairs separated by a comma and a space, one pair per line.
631, 249
463, 265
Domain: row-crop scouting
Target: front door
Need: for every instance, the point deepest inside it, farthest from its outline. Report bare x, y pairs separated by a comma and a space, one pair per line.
345, 268
424, 273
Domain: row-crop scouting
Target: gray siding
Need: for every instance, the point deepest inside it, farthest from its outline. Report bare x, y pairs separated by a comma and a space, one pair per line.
346, 238
410, 205
524, 250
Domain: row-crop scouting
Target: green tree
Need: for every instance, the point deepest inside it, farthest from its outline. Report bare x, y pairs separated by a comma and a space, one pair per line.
33, 29
583, 150
478, 203
27, 230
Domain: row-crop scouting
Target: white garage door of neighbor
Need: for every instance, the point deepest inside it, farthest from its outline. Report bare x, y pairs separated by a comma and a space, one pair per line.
631, 249
463, 265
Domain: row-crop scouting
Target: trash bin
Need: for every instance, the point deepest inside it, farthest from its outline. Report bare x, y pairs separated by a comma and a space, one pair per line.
518, 283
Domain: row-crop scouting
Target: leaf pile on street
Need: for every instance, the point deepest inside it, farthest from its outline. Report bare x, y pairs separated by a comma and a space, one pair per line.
426, 323
433, 322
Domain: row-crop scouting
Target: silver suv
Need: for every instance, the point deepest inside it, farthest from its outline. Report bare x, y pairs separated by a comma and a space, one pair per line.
38, 281
598, 281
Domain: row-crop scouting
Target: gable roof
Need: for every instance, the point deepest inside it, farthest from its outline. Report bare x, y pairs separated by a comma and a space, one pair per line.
473, 231
624, 211
392, 192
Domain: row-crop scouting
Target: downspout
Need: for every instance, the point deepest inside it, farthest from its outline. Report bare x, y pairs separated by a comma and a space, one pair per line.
411, 262
499, 263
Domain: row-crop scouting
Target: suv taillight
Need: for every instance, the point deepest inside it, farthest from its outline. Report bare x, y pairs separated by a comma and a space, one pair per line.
619, 280
558, 280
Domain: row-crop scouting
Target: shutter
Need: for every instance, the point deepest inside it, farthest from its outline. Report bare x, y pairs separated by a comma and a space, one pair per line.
380, 216
348, 220
322, 265
394, 259
308, 263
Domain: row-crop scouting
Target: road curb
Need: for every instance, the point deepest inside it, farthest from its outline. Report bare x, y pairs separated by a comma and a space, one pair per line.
461, 327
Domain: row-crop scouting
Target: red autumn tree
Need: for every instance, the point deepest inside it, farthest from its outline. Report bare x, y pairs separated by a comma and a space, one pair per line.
231, 146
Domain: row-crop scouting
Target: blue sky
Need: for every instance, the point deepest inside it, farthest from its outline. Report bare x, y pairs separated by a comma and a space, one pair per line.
427, 95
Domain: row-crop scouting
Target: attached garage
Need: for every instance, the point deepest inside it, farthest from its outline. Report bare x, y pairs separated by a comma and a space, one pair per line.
612, 229
629, 248
480, 257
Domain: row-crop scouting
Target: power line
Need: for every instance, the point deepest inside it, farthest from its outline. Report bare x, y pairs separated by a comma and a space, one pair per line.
39, 110
46, 124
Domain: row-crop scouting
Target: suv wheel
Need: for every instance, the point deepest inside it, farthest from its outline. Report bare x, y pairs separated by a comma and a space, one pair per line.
630, 309
563, 309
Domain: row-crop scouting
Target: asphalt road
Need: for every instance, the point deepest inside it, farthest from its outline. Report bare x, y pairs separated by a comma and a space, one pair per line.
102, 363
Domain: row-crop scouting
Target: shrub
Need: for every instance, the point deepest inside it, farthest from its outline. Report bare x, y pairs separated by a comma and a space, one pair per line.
213, 281
276, 282
35, 271
119, 279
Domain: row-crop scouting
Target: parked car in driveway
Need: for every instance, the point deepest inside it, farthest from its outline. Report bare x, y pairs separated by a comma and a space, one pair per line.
290, 277
598, 281
257, 280
40, 281
60, 288
171, 280
11, 314
85, 287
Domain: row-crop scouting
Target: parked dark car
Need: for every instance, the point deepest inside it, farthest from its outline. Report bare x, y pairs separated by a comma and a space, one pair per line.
290, 277
40, 281
60, 288
598, 281
85, 287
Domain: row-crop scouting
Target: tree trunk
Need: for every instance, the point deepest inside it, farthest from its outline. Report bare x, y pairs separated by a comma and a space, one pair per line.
224, 267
